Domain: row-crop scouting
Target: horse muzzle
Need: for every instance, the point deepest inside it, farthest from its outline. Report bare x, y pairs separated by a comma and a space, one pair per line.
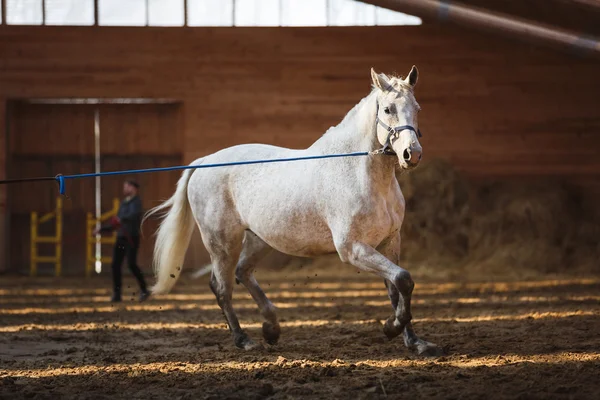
411, 156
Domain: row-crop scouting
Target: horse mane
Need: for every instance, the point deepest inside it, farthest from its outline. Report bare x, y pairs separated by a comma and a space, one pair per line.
350, 116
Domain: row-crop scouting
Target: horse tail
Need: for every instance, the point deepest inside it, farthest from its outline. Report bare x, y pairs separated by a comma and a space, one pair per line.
204, 270
173, 236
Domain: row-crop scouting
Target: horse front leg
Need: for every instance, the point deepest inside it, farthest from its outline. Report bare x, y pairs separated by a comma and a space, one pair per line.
391, 249
365, 257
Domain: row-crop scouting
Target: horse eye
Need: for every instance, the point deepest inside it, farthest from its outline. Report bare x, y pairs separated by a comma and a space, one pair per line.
386, 110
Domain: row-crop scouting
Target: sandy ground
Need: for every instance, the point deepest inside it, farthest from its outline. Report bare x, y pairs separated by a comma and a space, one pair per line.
60, 338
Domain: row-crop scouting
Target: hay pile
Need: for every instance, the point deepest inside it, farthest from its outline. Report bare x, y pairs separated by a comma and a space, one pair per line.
455, 227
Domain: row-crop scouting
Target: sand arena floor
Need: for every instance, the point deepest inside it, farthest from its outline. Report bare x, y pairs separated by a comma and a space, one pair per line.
60, 338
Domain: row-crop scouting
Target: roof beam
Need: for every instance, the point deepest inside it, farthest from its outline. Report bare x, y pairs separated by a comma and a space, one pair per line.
595, 4
460, 14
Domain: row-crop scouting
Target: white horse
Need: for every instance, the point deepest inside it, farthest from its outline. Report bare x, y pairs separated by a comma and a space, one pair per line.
352, 206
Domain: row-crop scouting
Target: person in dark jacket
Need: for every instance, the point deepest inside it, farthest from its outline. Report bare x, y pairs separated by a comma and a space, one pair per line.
127, 224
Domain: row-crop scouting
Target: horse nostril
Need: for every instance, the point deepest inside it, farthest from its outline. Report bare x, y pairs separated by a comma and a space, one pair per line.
416, 156
406, 155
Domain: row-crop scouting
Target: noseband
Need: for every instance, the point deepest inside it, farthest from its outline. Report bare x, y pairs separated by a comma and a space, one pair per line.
393, 134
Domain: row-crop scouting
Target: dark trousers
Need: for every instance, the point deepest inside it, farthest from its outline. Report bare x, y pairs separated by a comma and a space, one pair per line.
126, 246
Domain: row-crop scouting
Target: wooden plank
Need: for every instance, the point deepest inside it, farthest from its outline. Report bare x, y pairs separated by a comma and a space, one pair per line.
140, 129
51, 128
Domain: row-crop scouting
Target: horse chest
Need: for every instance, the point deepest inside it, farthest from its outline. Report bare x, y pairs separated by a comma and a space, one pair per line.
376, 219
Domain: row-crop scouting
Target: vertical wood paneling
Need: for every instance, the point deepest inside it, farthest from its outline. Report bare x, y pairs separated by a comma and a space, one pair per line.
140, 129
52, 129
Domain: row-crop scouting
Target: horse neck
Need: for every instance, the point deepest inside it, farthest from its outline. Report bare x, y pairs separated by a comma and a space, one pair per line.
358, 132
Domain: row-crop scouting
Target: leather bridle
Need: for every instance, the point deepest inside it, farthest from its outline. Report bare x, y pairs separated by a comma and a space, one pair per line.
393, 134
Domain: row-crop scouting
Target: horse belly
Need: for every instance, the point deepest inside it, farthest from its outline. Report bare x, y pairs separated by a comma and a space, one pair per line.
301, 246
302, 235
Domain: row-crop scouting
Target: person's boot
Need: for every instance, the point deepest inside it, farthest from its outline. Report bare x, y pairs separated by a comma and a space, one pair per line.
116, 298
144, 295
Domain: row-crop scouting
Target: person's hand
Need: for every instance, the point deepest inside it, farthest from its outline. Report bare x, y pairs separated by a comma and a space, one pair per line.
96, 231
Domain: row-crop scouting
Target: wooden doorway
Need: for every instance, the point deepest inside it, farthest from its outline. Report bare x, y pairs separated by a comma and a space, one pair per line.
50, 137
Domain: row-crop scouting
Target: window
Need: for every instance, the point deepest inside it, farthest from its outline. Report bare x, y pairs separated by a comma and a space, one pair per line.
24, 12
257, 13
69, 12
388, 17
122, 13
210, 12
165, 13
304, 13
350, 13
202, 13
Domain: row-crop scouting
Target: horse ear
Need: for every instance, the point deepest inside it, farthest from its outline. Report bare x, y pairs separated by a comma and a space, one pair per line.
379, 80
413, 76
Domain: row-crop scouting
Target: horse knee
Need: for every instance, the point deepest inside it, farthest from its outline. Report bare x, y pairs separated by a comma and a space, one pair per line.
404, 282
241, 273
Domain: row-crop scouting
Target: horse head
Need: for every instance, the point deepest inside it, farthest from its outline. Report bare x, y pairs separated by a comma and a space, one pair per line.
397, 110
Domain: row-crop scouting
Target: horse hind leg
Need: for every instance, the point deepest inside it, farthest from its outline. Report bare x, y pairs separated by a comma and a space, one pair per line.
253, 251
224, 252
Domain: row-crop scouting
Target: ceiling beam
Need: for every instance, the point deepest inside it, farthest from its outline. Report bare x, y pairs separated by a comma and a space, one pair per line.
460, 14
594, 4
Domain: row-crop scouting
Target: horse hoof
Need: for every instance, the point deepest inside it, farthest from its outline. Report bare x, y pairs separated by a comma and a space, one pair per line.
429, 350
243, 341
252, 345
391, 330
271, 332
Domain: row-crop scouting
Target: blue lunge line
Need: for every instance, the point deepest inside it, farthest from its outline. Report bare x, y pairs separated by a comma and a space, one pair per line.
62, 178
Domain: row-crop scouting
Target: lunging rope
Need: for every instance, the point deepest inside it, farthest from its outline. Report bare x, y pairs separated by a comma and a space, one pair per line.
61, 179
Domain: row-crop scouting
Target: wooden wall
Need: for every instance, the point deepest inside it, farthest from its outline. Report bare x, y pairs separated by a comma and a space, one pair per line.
493, 107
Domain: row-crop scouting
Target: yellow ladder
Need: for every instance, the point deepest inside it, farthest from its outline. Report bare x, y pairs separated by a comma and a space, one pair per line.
35, 239
91, 238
